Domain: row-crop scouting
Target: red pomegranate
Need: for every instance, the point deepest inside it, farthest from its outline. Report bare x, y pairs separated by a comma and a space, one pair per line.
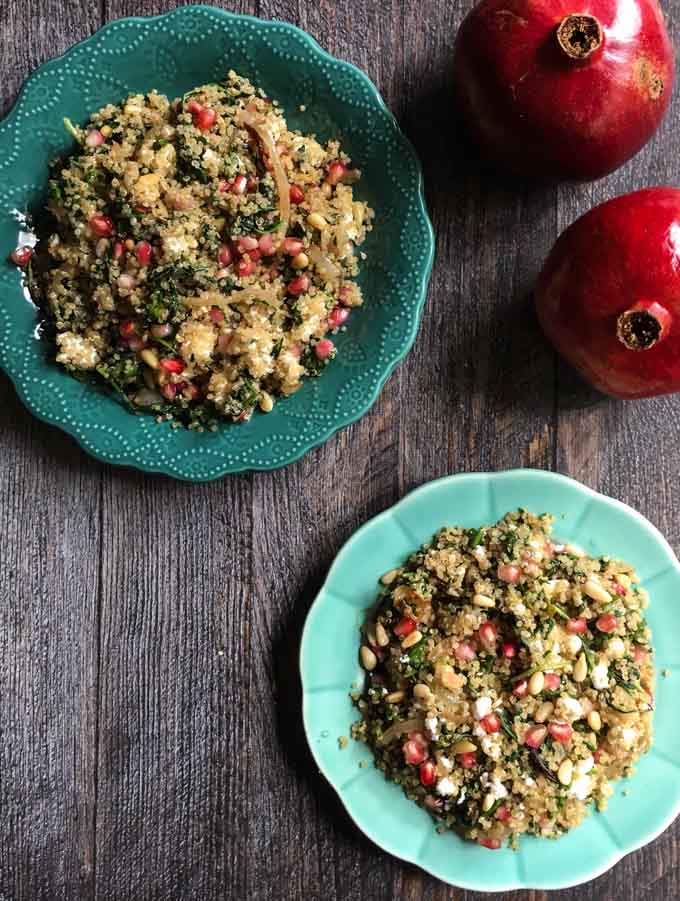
566, 89
609, 294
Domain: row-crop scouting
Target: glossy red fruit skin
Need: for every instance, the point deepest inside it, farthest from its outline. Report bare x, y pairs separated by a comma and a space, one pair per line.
620, 253
535, 111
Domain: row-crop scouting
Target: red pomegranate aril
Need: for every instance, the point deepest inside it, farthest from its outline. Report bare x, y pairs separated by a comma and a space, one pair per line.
245, 268
127, 328
101, 226
618, 589
204, 119
414, 752
491, 723
169, 390
597, 755
405, 626
255, 254
535, 736
245, 245
577, 626
551, 682
465, 651
468, 760
488, 633
428, 773
118, 250
239, 185
161, 331
94, 138
172, 365
503, 814
493, 844
223, 185
21, 256
136, 343
640, 653
607, 622
336, 172
324, 349
520, 690
293, 246
224, 255
144, 253
193, 107
216, 315
266, 245
561, 732
338, 316
509, 650
344, 295
419, 737
296, 194
299, 285
508, 572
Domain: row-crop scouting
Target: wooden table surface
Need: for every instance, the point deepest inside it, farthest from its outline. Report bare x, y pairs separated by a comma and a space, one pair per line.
150, 735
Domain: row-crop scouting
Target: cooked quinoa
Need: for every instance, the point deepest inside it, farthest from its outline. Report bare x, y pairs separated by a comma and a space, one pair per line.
509, 679
200, 252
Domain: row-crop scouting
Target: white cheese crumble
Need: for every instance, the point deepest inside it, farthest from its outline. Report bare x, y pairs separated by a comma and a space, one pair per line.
600, 676
574, 644
628, 736
615, 648
432, 727
498, 789
569, 708
446, 787
536, 646
580, 787
445, 762
491, 747
482, 707
584, 766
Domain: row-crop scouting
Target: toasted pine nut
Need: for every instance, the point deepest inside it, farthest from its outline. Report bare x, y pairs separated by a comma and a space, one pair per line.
580, 669
381, 635
369, 629
389, 577
536, 683
488, 802
422, 692
463, 747
595, 591
412, 639
565, 772
106, 131
543, 712
266, 402
301, 261
129, 244
594, 721
150, 358
482, 600
317, 221
368, 658
448, 677
394, 697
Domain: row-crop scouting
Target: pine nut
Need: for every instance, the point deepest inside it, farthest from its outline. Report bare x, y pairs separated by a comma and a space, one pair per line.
580, 669
381, 635
536, 683
266, 402
389, 577
106, 131
422, 692
565, 772
412, 639
488, 802
150, 358
594, 721
463, 747
394, 697
301, 261
129, 244
448, 677
482, 600
543, 712
368, 658
317, 221
369, 629
595, 591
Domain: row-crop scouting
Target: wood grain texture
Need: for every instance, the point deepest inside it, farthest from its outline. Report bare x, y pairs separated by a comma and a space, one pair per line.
151, 739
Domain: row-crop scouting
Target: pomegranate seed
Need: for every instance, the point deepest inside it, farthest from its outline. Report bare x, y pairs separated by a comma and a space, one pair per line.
508, 572
296, 194
193, 107
577, 626
405, 626
144, 253
503, 814
94, 138
344, 295
509, 650
520, 690
21, 256
492, 844
299, 285
223, 185
618, 589
561, 732
490, 723
293, 246
204, 119
245, 267
535, 736
324, 349
172, 365
239, 184
336, 172
467, 760
428, 773
118, 250
169, 390
414, 753
101, 226
551, 682
419, 738
224, 255
127, 328
607, 622
245, 245
488, 633
136, 344
597, 755
216, 315
433, 803
639, 653
161, 331
266, 245
338, 316
465, 651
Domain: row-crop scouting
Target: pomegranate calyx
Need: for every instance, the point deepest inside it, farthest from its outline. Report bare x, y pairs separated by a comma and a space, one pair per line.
643, 325
579, 36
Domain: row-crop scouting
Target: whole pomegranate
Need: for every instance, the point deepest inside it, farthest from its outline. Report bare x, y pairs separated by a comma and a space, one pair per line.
608, 296
566, 89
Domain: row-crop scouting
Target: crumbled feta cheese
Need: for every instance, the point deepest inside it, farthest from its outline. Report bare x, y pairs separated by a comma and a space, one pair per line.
529, 781
580, 787
559, 548
478, 731
462, 796
498, 789
615, 648
432, 727
584, 766
569, 708
556, 647
446, 787
536, 646
574, 644
482, 707
600, 676
479, 552
628, 736
445, 762
491, 747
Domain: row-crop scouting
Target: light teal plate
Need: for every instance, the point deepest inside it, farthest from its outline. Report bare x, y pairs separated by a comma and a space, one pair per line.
173, 53
330, 668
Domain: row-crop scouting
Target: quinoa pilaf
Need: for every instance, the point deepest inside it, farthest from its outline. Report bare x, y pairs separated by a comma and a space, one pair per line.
509, 679
201, 253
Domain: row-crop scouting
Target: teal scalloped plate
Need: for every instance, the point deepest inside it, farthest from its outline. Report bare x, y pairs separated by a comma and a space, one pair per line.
172, 53
330, 668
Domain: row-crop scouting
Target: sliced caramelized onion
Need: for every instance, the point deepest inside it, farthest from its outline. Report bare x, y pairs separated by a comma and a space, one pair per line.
254, 123
416, 724
324, 266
